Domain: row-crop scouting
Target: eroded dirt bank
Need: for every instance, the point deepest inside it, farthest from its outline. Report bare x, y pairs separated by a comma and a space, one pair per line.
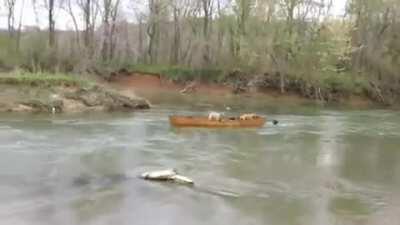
150, 85
62, 99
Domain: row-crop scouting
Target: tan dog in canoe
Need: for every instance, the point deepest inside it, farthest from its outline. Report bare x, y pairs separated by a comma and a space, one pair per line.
248, 116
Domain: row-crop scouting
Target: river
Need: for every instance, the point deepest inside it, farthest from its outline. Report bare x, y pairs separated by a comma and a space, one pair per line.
316, 167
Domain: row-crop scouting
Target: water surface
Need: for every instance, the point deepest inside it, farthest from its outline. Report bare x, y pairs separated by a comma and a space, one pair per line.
318, 166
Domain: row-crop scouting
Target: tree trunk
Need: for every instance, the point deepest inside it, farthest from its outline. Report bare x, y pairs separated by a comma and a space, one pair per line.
282, 82
106, 30
70, 11
114, 14
220, 27
207, 10
177, 37
140, 37
10, 17
110, 14
52, 37
153, 30
20, 27
87, 14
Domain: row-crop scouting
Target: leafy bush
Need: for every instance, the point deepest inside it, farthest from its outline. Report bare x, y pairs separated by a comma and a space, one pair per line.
344, 83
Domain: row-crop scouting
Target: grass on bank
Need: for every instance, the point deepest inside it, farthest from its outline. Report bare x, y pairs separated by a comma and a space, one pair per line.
336, 82
333, 83
179, 73
42, 79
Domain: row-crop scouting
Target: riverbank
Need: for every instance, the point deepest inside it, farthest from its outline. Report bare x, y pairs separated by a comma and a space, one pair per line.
27, 92
57, 93
158, 87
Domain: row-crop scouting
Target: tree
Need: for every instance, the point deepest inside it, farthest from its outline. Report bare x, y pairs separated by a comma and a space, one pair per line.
176, 8
375, 43
67, 5
52, 24
90, 10
87, 12
153, 29
207, 6
18, 38
109, 18
10, 5
242, 11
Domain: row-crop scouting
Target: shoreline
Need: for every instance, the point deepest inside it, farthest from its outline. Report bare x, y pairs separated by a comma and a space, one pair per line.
152, 87
54, 94
31, 93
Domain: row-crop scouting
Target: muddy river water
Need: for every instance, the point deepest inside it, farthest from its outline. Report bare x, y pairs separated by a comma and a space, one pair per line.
316, 167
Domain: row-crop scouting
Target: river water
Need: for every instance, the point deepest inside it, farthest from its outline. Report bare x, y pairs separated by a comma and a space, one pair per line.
316, 167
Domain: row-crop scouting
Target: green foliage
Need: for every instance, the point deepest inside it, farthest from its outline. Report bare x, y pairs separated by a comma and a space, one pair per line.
8, 55
34, 54
42, 79
178, 73
344, 83
254, 37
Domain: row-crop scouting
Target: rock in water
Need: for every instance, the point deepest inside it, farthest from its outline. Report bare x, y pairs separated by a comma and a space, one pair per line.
109, 100
181, 179
159, 175
166, 175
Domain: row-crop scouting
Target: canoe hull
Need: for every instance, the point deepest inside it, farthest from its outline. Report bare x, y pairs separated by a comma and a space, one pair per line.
202, 121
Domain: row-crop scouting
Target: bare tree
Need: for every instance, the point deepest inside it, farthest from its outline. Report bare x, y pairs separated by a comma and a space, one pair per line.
207, 6
175, 48
90, 10
153, 29
88, 26
87, 13
180, 10
67, 5
109, 18
138, 10
242, 11
10, 4
51, 22
20, 26
191, 13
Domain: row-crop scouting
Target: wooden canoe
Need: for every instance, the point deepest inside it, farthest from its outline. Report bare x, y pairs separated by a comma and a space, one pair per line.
203, 121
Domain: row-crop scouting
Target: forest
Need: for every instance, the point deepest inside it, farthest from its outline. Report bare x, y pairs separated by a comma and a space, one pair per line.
295, 45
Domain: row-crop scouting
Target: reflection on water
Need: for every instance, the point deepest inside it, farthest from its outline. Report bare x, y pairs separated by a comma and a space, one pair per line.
315, 167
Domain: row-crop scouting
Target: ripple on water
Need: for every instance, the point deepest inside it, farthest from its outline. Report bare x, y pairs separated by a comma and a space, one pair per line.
269, 132
351, 206
5, 127
167, 138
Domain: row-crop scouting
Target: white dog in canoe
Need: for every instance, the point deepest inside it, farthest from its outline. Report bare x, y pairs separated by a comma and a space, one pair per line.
218, 116
215, 116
